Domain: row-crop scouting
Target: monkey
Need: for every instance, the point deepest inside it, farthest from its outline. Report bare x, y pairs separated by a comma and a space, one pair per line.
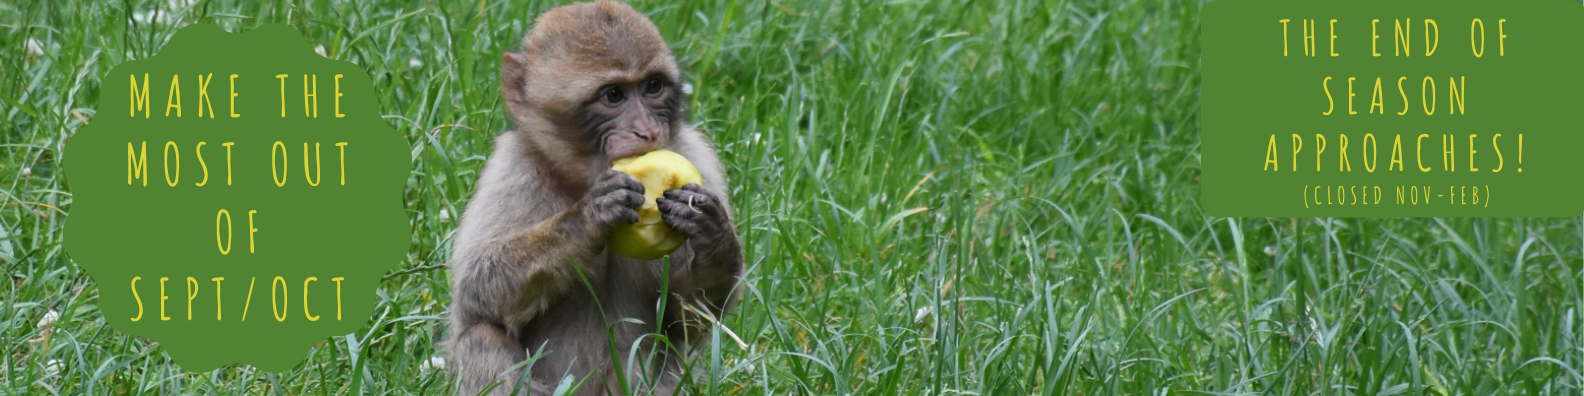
530, 270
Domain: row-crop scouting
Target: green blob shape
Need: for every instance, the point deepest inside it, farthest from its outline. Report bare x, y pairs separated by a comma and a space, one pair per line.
1250, 91
356, 231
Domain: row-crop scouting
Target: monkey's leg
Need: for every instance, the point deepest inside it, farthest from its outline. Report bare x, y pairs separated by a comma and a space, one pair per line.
482, 354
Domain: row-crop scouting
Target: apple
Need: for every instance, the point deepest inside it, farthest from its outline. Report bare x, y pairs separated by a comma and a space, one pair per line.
660, 170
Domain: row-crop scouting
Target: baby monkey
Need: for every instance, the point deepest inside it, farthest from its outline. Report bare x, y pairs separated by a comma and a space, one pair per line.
593, 82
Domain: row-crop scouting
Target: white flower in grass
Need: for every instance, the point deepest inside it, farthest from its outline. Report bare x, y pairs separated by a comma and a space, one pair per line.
162, 18
49, 318
413, 62
434, 363
321, 50
53, 367
445, 215
34, 48
1270, 250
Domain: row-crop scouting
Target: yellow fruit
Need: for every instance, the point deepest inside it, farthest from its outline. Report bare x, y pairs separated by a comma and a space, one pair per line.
658, 170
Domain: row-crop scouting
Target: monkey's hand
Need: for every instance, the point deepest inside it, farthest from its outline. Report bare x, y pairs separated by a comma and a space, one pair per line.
717, 260
698, 213
613, 200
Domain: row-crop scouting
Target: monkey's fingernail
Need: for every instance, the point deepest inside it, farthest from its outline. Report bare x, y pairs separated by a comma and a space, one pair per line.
691, 201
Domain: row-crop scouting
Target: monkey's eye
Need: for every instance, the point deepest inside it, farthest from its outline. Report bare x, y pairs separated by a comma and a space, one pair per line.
653, 86
613, 95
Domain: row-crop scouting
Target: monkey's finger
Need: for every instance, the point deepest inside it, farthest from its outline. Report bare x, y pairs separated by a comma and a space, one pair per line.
692, 203
689, 222
702, 199
696, 199
694, 187
667, 205
712, 194
686, 225
629, 215
604, 184
615, 179
681, 210
630, 183
625, 199
608, 208
628, 198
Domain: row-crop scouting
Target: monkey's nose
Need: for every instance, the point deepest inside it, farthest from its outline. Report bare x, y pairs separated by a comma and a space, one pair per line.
648, 133
649, 136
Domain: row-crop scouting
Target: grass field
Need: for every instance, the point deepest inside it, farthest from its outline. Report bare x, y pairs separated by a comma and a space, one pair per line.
936, 197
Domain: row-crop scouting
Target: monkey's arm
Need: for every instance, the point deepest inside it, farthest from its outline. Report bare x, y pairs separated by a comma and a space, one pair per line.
709, 277
515, 276
710, 274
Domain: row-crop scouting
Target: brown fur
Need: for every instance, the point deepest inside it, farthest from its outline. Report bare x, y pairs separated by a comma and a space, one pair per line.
545, 204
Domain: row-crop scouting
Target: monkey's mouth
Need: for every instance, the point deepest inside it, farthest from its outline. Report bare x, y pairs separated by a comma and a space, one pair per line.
615, 156
622, 140
617, 147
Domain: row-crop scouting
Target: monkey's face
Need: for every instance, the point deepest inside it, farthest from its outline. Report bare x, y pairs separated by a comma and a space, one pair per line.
628, 118
595, 80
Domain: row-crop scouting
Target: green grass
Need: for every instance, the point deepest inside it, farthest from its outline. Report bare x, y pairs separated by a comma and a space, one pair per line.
936, 197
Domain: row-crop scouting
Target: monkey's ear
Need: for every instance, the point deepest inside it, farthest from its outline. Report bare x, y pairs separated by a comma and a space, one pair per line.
514, 77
